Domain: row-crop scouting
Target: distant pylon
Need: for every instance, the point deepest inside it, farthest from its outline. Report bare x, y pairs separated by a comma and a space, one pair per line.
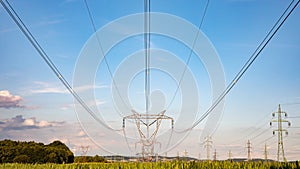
266, 152
249, 150
229, 155
185, 154
279, 120
215, 155
208, 144
84, 150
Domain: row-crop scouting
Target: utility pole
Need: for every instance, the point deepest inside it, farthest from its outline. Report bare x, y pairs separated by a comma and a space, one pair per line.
279, 130
266, 152
208, 144
215, 155
249, 150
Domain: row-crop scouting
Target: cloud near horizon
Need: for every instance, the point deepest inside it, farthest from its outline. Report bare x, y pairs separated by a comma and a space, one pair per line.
7, 100
32, 129
21, 123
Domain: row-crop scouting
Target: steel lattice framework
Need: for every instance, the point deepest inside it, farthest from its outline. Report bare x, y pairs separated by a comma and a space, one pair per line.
147, 140
279, 130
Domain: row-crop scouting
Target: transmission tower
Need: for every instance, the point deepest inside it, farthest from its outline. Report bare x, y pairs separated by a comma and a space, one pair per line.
185, 155
215, 155
249, 150
84, 150
208, 144
229, 155
279, 130
147, 140
146, 120
266, 152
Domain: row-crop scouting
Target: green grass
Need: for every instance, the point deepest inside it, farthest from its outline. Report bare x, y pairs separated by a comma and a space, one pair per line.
159, 165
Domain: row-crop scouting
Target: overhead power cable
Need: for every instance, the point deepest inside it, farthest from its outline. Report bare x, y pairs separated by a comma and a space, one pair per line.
10, 10
259, 134
102, 52
147, 54
250, 61
190, 55
186, 66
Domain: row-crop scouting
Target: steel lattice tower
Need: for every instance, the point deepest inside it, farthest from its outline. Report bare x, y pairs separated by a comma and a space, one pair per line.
147, 140
249, 150
215, 155
266, 152
279, 130
208, 144
229, 155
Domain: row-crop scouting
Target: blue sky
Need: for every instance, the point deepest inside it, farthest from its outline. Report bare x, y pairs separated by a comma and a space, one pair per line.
37, 103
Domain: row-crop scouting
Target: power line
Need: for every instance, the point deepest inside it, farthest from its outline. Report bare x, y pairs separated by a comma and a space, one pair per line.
295, 117
290, 103
265, 140
253, 130
190, 55
186, 64
264, 131
247, 65
102, 51
9, 9
147, 57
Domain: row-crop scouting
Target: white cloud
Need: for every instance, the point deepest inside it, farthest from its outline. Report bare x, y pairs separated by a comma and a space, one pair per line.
90, 87
28, 129
8, 100
50, 22
45, 87
58, 88
21, 123
29, 122
81, 133
44, 123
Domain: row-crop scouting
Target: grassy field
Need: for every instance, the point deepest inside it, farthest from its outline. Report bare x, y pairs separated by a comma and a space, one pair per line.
159, 165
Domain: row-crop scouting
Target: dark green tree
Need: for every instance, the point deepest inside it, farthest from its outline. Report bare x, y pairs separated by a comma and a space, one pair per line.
31, 152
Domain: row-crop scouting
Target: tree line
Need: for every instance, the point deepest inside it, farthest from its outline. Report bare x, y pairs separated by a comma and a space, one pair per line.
87, 159
32, 152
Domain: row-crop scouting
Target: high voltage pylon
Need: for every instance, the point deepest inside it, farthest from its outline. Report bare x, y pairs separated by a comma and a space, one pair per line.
279, 130
208, 144
185, 155
147, 140
266, 152
229, 155
249, 150
215, 155
84, 150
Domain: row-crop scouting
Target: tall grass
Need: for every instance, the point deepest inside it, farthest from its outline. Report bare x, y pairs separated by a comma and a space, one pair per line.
158, 165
